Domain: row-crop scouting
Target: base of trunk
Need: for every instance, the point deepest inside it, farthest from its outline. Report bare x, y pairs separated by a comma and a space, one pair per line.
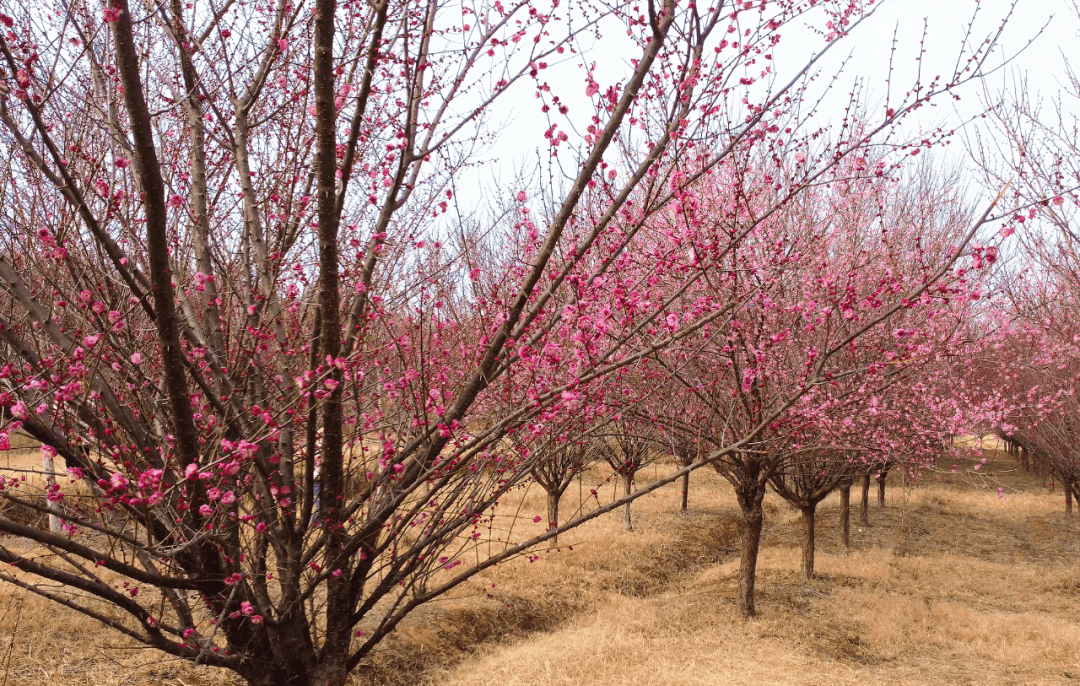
845, 514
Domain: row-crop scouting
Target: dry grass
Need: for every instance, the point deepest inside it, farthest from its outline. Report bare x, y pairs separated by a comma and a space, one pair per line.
950, 584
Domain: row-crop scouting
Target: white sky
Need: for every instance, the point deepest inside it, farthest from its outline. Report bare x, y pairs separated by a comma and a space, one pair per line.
867, 51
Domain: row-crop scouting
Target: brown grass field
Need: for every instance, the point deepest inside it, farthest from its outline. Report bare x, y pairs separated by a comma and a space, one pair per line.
949, 584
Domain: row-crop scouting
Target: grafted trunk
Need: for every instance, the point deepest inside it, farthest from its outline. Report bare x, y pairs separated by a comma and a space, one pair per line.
685, 491
881, 489
753, 518
553, 497
628, 483
809, 515
864, 515
845, 513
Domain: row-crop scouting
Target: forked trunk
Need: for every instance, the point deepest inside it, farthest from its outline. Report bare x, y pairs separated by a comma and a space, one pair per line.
753, 518
553, 514
845, 514
628, 483
864, 515
808, 516
685, 491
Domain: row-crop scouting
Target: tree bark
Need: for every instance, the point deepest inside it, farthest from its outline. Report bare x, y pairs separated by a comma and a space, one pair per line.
628, 482
1068, 498
845, 514
685, 491
881, 489
50, 484
864, 514
553, 513
753, 518
808, 518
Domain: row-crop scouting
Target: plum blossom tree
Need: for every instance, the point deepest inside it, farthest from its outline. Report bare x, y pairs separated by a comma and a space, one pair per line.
628, 446
244, 300
806, 352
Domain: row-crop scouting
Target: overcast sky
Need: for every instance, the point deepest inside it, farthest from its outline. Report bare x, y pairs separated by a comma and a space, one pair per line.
1039, 30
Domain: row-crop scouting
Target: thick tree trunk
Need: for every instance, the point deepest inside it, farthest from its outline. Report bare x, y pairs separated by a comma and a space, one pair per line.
628, 483
808, 518
881, 489
685, 491
553, 513
845, 514
864, 515
317, 677
753, 518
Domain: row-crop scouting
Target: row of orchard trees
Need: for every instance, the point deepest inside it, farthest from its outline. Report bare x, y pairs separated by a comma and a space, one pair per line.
1026, 375
294, 367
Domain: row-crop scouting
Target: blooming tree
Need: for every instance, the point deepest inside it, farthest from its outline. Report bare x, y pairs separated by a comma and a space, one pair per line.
244, 300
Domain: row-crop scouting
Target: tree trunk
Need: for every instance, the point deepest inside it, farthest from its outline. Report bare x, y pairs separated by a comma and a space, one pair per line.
881, 489
685, 491
845, 514
753, 518
808, 517
864, 515
332, 674
50, 485
628, 482
1068, 498
553, 513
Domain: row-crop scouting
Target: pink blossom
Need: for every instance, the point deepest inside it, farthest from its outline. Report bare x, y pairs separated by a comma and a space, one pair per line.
592, 89
283, 44
111, 14
206, 510
1059, 200
136, 358
191, 472
672, 322
521, 196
